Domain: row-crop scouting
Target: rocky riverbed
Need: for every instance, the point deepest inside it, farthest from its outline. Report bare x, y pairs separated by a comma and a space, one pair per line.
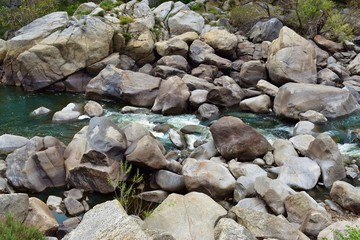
237, 136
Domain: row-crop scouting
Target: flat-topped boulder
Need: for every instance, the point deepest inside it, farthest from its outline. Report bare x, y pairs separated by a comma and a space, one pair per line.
295, 98
137, 88
9, 143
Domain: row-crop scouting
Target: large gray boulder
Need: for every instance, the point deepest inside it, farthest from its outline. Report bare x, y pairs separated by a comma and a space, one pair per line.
327, 154
264, 225
93, 156
54, 58
354, 66
185, 21
226, 96
291, 59
37, 165
304, 210
223, 42
9, 143
209, 177
227, 229
147, 152
235, 139
136, 88
28, 36
265, 30
295, 98
283, 150
95, 224
300, 173
251, 72
258, 104
139, 11
41, 217
346, 196
172, 98
173, 46
192, 216
274, 193
16, 204
198, 50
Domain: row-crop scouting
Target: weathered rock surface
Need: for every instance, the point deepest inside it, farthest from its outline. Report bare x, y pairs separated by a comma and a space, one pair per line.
185, 21
291, 59
354, 66
67, 114
53, 58
274, 193
93, 156
256, 204
313, 116
93, 109
227, 96
267, 88
326, 153
208, 177
223, 42
207, 111
346, 196
9, 143
251, 72
95, 224
16, 204
138, 89
170, 181
264, 225
235, 139
3, 50
41, 217
283, 150
301, 143
37, 165
227, 229
147, 152
265, 30
188, 209
295, 98
171, 47
40, 111
172, 98
259, 104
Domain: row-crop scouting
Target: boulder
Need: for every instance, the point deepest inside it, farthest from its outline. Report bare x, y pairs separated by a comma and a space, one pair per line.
346, 195
207, 111
155, 196
54, 203
283, 150
40, 111
95, 224
327, 77
274, 193
326, 153
138, 89
188, 209
251, 72
28, 36
46, 63
256, 204
95, 69
93, 156
3, 50
73, 206
185, 21
301, 142
223, 42
198, 50
328, 45
259, 104
305, 127
304, 210
172, 98
134, 131
263, 225
228, 96
41, 217
9, 143
161, 12
338, 226
16, 204
141, 44
198, 97
267, 30
170, 181
147, 152
321, 55
235, 139
267, 88
93, 109
300, 173
177, 138
291, 59
175, 61
37, 165
295, 98
67, 114
74, 193
166, 72
77, 82
207, 72
354, 66
140, 11
227, 228
222, 64
195, 83
173, 46
204, 151
208, 177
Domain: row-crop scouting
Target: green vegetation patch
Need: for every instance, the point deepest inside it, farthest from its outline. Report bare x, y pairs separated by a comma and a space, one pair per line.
126, 19
12, 229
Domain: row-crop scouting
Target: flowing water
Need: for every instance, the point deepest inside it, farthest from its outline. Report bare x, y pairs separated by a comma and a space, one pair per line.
16, 106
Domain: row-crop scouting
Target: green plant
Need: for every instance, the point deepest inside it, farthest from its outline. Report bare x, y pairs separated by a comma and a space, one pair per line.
337, 27
126, 19
82, 13
246, 15
350, 233
127, 191
197, 7
107, 5
12, 229
127, 36
213, 11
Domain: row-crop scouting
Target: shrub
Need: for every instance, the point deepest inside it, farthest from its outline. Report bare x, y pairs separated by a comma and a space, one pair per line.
107, 5
127, 191
11, 229
351, 233
126, 19
197, 7
246, 15
337, 27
